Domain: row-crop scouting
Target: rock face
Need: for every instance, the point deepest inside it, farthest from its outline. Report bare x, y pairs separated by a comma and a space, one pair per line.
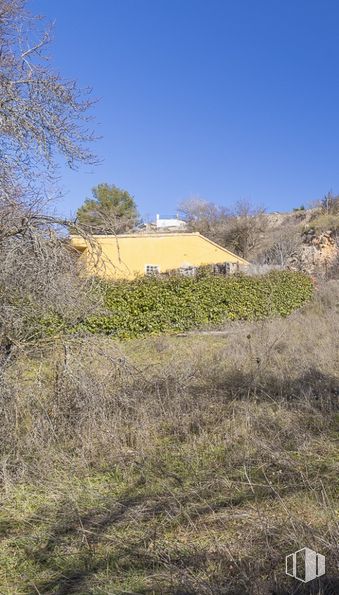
318, 254
276, 220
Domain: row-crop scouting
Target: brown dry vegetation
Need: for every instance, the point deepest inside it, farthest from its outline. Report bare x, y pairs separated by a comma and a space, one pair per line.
188, 464
169, 465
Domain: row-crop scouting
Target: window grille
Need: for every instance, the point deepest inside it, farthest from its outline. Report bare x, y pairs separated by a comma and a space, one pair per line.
152, 269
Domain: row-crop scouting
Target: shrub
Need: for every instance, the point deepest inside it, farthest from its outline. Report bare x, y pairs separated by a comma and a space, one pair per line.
152, 305
324, 222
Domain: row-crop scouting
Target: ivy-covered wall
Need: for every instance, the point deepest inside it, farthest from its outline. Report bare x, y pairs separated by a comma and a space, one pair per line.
152, 305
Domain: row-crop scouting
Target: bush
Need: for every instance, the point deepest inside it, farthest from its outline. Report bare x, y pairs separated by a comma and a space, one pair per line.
152, 305
324, 222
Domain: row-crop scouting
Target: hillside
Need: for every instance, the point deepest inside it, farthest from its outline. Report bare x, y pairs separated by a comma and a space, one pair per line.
305, 239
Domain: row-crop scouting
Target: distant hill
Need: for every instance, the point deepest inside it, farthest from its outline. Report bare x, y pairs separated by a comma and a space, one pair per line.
302, 239
305, 240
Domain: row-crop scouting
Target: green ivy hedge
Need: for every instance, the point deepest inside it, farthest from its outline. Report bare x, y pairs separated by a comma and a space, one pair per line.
153, 305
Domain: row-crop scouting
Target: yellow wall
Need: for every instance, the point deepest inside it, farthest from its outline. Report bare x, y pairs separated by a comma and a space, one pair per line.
125, 256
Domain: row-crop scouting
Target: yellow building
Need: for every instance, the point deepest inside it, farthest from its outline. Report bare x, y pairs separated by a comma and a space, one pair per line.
130, 255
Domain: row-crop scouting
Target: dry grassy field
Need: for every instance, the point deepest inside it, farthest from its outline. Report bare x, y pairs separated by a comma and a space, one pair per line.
173, 465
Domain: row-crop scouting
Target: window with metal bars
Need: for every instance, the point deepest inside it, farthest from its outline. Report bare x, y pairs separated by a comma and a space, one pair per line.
152, 269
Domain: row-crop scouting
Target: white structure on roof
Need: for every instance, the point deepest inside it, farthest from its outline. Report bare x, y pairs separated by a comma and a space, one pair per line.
170, 223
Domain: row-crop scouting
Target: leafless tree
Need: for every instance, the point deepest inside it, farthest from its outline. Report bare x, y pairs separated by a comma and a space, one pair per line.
285, 245
41, 115
244, 228
202, 216
239, 228
330, 204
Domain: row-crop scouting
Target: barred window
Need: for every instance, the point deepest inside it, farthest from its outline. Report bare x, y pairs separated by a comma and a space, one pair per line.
152, 269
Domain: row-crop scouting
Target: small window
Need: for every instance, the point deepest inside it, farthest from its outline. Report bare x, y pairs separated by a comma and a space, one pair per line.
152, 269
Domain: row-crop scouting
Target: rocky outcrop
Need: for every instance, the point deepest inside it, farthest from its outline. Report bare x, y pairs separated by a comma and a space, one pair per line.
317, 255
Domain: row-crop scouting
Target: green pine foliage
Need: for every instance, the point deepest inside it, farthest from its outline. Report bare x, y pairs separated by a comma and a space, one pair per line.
154, 305
110, 210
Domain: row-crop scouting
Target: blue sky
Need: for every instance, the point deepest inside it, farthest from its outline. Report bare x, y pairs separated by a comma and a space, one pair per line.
221, 99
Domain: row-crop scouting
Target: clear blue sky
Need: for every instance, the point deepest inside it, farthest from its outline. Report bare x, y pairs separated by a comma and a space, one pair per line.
220, 99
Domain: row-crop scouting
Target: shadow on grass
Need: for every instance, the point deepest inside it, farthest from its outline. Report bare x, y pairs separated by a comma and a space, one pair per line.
319, 389
132, 553
321, 586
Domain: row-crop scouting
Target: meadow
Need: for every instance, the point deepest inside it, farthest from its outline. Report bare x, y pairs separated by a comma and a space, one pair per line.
173, 464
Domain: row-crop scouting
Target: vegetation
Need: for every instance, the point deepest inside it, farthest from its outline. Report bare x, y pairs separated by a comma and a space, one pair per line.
323, 222
238, 229
172, 464
330, 204
160, 465
265, 238
283, 246
41, 115
152, 305
111, 210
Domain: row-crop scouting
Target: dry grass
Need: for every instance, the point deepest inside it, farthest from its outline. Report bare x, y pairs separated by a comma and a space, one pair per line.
174, 465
